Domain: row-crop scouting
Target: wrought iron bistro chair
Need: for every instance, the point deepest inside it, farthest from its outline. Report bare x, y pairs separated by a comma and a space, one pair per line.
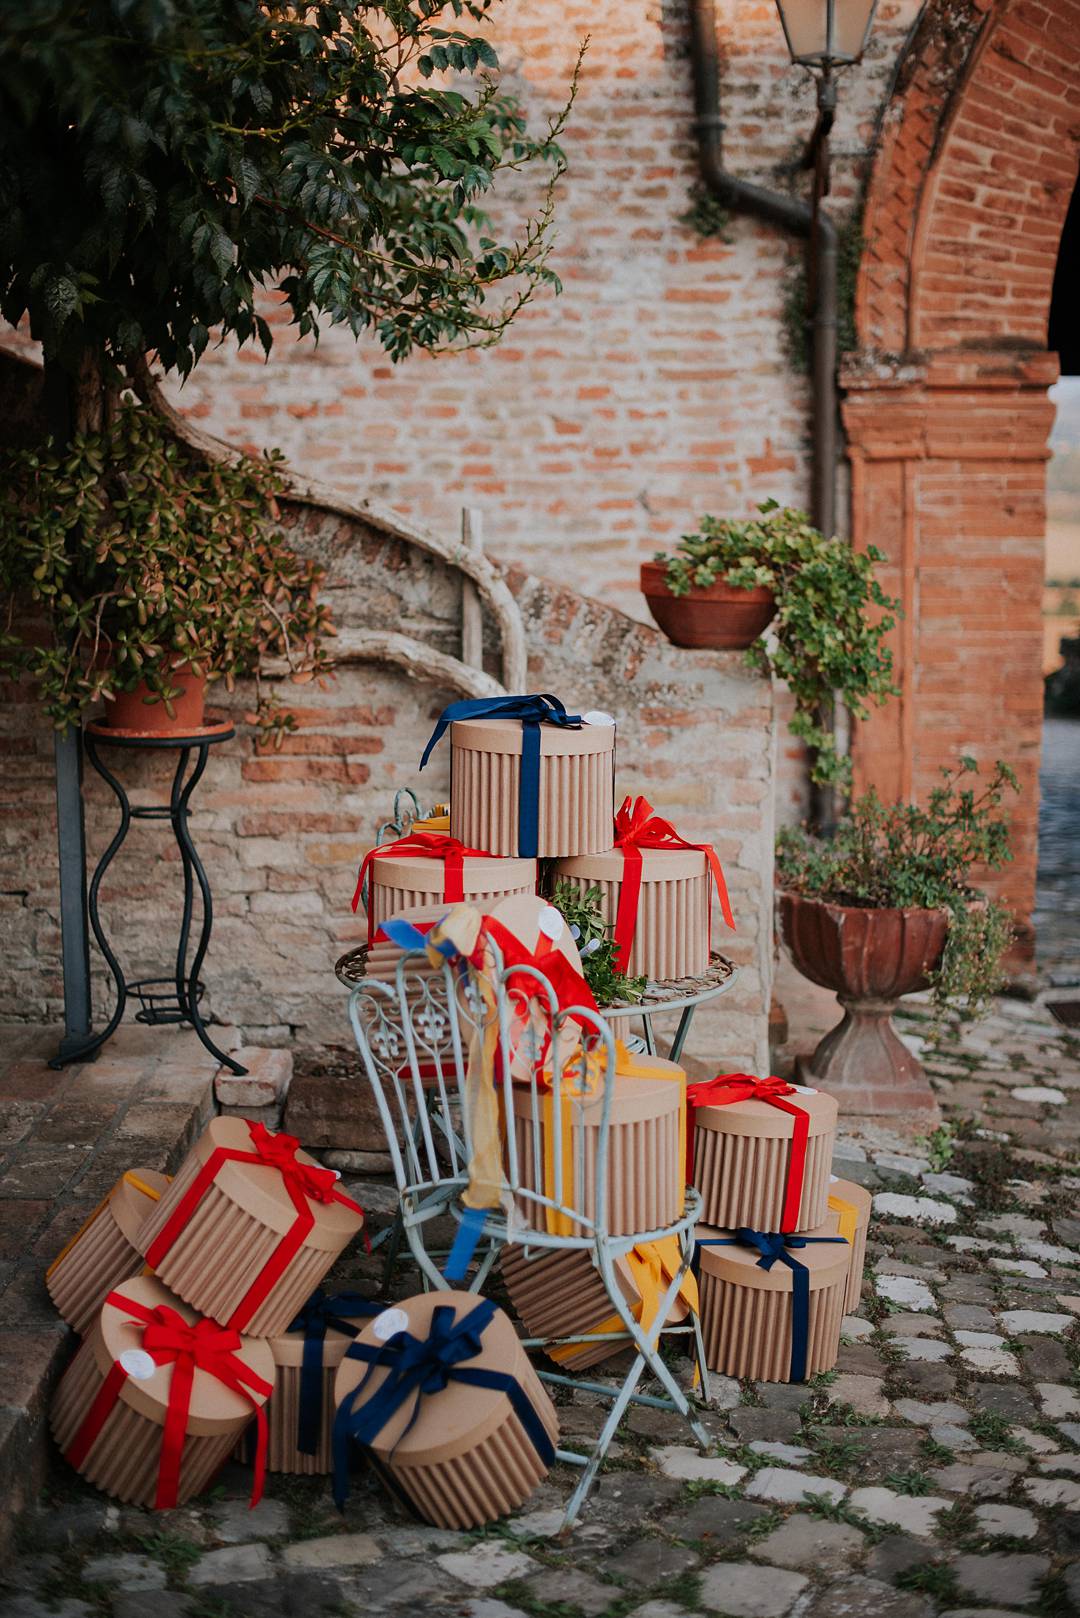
414, 1037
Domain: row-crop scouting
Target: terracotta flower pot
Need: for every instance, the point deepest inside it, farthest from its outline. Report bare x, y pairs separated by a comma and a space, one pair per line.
869, 958
717, 616
130, 710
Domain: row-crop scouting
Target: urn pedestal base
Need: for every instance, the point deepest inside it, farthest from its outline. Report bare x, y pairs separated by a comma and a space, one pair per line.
865, 1064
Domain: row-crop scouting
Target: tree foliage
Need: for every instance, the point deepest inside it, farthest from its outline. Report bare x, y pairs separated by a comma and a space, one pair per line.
161, 161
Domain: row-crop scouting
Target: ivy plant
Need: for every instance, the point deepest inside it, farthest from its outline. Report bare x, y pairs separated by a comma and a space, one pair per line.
902, 855
162, 162
828, 636
135, 555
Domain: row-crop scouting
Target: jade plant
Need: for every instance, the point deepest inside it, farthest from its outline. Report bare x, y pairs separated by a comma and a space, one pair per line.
902, 855
832, 617
137, 556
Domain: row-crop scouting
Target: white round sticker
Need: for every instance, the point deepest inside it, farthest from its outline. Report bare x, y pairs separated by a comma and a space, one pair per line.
551, 923
389, 1323
137, 1363
597, 716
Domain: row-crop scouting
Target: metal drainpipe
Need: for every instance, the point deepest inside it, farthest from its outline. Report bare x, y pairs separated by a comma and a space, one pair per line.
801, 219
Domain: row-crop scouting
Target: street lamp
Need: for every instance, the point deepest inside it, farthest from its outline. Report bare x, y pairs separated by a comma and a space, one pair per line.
826, 34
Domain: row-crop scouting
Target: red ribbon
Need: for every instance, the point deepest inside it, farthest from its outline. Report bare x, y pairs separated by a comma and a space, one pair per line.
636, 827
169, 1340
426, 845
304, 1182
729, 1087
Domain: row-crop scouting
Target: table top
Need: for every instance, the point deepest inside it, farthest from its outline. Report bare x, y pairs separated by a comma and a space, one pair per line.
675, 995
217, 728
678, 993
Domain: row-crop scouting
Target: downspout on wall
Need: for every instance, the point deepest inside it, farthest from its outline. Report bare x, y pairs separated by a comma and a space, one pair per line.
801, 219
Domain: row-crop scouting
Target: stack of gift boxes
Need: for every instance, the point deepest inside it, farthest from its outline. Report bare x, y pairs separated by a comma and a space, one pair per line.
206, 1335
205, 1330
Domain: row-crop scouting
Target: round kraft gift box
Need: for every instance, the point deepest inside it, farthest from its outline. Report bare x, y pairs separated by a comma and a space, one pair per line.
105, 1251
403, 881
462, 1455
561, 1294
646, 1171
743, 1156
747, 1313
125, 1453
244, 1234
283, 1412
849, 1213
575, 805
671, 934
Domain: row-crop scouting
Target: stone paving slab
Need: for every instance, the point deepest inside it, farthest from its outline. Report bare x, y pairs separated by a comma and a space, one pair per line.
944, 1481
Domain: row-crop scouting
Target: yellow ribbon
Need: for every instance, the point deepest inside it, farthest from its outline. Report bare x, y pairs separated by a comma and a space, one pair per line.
653, 1266
848, 1218
132, 1179
582, 1084
434, 822
140, 1185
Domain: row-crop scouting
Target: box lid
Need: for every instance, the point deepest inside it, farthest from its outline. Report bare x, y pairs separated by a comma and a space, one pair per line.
214, 1407
504, 736
133, 1198
762, 1120
480, 873
455, 1420
261, 1191
825, 1262
657, 865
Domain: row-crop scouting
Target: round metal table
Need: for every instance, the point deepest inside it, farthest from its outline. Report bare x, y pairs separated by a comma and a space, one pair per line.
173, 999
683, 995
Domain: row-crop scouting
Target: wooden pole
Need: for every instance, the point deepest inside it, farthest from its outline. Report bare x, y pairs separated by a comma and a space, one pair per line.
472, 617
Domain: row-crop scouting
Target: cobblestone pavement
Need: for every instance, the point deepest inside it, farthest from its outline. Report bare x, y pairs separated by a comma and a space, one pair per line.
936, 1471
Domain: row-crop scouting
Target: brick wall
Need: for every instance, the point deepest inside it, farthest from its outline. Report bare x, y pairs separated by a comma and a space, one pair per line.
947, 411
281, 833
657, 387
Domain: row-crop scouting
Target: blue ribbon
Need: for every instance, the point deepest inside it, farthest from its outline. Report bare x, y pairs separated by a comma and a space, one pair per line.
418, 1368
771, 1246
540, 708
319, 1314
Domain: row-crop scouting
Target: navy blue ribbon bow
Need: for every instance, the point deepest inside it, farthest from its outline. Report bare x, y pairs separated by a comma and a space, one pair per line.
772, 1246
321, 1312
540, 708
418, 1368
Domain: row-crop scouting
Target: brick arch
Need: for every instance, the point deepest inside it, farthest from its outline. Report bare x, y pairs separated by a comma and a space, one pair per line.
946, 406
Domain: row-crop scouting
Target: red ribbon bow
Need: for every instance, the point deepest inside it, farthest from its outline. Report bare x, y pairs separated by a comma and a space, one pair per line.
729, 1087
304, 1182
636, 827
170, 1340
426, 845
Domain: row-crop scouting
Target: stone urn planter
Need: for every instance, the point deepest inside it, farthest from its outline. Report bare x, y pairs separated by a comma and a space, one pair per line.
718, 616
869, 958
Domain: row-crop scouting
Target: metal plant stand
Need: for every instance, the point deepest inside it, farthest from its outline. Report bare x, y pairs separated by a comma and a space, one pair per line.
162, 1000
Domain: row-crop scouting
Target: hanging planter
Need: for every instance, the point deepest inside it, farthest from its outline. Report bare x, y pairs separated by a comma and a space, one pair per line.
724, 585
721, 615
